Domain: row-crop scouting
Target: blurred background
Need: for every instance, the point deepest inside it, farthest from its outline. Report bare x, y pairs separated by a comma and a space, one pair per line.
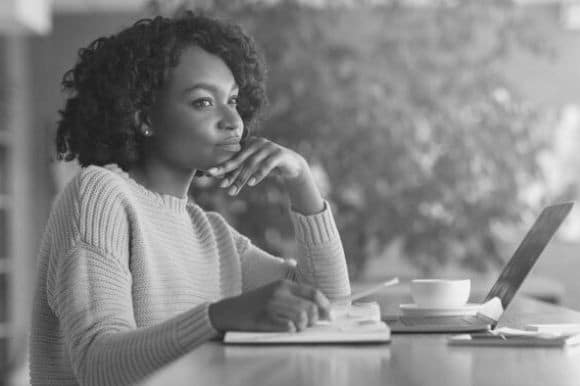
437, 129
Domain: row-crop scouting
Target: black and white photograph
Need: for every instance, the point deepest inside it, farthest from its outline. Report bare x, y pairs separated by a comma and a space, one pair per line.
290, 192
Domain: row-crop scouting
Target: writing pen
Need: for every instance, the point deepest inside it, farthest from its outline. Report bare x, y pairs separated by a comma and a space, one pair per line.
369, 291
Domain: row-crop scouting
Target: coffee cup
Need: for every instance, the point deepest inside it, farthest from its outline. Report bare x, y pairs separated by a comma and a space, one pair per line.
440, 293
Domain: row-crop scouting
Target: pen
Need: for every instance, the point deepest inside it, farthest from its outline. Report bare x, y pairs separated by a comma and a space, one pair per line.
371, 290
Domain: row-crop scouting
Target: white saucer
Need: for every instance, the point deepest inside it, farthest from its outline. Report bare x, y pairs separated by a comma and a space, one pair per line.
414, 310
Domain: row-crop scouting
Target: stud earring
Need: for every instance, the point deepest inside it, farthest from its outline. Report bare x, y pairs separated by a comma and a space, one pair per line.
147, 132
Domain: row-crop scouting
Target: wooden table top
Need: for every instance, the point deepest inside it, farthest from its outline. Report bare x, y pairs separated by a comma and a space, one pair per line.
410, 359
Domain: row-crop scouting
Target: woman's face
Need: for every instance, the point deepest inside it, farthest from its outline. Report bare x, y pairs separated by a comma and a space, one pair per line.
194, 120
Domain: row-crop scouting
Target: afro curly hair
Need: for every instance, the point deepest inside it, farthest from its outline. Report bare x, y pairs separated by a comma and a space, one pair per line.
117, 78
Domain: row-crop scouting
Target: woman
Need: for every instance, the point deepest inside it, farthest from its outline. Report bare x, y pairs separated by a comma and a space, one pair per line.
132, 273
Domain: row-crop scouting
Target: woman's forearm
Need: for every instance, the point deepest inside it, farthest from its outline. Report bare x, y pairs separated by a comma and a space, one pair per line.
304, 195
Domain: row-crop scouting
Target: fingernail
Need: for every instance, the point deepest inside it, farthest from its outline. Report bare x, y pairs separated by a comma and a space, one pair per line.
323, 300
224, 183
330, 315
212, 171
252, 181
232, 190
314, 319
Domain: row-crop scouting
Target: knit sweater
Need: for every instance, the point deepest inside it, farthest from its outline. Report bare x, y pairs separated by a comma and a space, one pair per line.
126, 275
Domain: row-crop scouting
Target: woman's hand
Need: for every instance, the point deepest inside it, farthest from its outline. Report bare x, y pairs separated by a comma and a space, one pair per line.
258, 159
279, 306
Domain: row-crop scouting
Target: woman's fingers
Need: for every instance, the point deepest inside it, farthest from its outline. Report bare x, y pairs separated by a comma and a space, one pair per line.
253, 164
248, 169
313, 295
302, 304
252, 145
264, 170
312, 313
276, 324
298, 315
228, 179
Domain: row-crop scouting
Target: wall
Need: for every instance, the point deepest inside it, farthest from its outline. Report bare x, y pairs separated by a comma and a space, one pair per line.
52, 56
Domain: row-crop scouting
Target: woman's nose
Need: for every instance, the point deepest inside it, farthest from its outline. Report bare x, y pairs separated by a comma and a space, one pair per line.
231, 120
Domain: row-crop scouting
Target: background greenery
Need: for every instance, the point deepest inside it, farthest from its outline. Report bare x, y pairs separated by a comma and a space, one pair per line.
415, 137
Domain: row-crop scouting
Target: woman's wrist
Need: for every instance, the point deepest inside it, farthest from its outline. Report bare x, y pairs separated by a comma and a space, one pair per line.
304, 195
216, 316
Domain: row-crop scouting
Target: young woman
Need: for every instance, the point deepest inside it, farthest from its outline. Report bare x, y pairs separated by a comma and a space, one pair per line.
132, 273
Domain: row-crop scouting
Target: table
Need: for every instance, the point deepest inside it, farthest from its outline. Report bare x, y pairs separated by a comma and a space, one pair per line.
410, 359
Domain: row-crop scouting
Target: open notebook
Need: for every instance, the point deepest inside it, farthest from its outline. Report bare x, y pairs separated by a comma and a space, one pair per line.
356, 323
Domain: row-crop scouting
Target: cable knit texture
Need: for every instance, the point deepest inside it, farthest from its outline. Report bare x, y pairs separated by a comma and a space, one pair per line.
126, 275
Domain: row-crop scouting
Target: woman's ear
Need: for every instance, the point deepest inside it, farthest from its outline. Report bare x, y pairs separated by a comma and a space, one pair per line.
142, 124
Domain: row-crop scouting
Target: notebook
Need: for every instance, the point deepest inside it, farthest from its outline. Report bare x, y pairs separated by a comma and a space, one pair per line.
504, 289
356, 323
491, 339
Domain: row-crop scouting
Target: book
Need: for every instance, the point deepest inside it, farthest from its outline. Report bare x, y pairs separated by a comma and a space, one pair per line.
356, 323
560, 328
518, 340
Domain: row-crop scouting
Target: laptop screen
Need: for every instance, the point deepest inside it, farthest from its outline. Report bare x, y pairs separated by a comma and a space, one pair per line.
528, 252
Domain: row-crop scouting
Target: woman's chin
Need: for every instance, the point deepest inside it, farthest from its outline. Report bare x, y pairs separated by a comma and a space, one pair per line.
223, 158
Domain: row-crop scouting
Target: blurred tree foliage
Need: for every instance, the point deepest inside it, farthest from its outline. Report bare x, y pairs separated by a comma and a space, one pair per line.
403, 111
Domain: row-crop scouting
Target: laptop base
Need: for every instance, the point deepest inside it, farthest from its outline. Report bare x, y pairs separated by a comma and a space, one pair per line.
438, 324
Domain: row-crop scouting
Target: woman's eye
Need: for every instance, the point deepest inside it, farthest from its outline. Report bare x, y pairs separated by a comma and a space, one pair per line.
202, 102
233, 101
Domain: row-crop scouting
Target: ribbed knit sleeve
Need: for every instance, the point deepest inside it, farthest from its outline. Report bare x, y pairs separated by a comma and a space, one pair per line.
92, 298
320, 258
89, 289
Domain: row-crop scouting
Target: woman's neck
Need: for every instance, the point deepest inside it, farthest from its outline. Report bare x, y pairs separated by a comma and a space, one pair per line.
161, 178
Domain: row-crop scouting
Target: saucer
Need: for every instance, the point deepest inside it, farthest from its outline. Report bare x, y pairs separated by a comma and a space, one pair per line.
415, 310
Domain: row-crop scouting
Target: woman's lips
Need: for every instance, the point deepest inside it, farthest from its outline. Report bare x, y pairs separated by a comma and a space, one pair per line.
233, 147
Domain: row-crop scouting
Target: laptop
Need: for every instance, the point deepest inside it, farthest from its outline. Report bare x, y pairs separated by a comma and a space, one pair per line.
504, 289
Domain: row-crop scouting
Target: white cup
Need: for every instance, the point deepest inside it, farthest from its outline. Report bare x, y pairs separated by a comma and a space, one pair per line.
440, 293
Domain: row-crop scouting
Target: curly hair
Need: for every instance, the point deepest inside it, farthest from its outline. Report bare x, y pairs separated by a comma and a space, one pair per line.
117, 78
